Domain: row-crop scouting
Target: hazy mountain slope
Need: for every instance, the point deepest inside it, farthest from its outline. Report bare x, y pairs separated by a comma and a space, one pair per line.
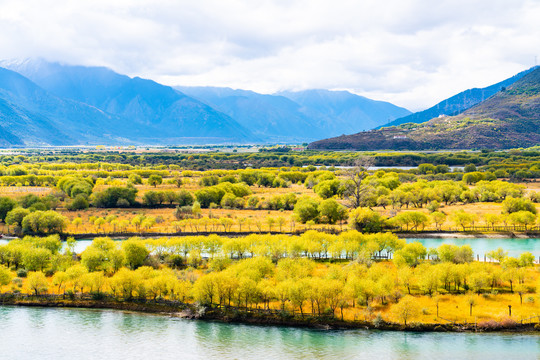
509, 119
345, 112
148, 111
88, 85
274, 118
34, 116
458, 103
297, 116
22, 127
154, 113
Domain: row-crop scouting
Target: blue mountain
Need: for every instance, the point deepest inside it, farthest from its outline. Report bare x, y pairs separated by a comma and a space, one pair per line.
95, 102
30, 115
342, 112
297, 116
144, 111
270, 117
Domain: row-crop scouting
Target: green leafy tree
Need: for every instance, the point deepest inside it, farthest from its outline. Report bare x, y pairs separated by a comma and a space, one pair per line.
406, 309
512, 204
6, 205
36, 259
37, 282
306, 209
15, 217
438, 219
5, 275
44, 222
155, 180
331, 211
411, 254
366, 220
463, 219
135, 252
498, 255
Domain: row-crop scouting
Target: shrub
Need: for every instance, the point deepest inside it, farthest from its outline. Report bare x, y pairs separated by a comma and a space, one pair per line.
6, 205
122, 203
511, 205
79, 203
22, 273
366, 220
110, 197
508, 323
306, 209
135, 179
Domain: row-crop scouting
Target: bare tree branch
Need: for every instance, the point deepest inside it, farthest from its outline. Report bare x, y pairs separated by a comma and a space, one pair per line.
355, 190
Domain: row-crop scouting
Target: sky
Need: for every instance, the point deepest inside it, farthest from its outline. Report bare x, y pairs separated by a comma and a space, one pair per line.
413, 53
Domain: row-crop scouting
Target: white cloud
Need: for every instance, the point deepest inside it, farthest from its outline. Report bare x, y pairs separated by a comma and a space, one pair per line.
410, 52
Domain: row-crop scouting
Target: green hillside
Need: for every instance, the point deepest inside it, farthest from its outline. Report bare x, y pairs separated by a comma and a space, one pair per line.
509, 119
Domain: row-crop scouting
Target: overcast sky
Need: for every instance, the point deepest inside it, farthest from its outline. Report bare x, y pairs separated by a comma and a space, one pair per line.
411, 53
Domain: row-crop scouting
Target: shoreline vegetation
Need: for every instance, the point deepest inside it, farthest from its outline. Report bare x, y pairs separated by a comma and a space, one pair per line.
263, 317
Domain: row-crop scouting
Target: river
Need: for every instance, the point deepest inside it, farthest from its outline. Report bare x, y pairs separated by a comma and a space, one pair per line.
52, 333
480, 246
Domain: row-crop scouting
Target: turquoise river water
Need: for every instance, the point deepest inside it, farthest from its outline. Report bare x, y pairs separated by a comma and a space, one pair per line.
49, 333
480, 246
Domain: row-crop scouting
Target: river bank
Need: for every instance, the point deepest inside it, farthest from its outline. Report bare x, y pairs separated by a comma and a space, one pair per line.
267, 318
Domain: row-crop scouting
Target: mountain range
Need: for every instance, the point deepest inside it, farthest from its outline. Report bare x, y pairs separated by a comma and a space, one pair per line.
508, 119
297, 116
124, 109
44, 103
